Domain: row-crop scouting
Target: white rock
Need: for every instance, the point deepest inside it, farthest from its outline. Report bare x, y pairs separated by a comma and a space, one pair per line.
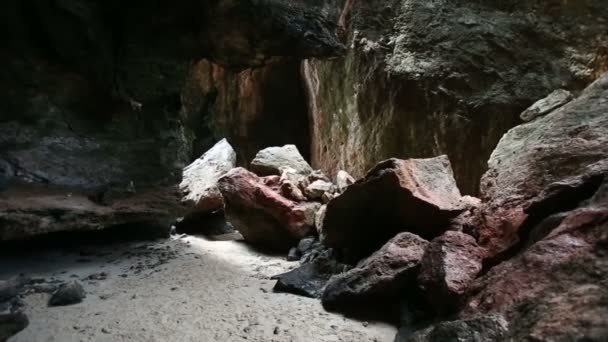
343, 180
273, 160
199, 179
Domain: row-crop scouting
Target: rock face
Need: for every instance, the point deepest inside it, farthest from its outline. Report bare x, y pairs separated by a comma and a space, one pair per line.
382, 276
199, 180
32, 211
424, 78
564, 144
449, 266
273, 160
416, 195
263, 215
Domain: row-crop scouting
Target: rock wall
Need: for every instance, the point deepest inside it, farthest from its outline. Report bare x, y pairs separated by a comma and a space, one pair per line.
424, 78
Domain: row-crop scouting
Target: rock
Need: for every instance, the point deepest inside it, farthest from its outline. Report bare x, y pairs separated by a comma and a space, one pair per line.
263, 216
344, 180
382, 276
375, 103
309, 279
328, 196
306, 244
10, 288
199, 180
545, 106
554, 290
68, 294
319, 217
294, 254
11, 324
553, 149
476, 329
209, 225
273, 160
415, 195
318, 175
291, 191
317, 189
37, 210
449, 266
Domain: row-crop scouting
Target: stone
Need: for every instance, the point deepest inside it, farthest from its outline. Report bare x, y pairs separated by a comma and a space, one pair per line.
319, 217
262, 215
317, 189
294, 254
10, 288
11, 324
309, 279
68, 294
415, 195
565, 146
36, 210
476, 329
400, 93
306, 244
344, 180
383, 276
291, 191
273, 160
449, 266
199, 179
318, 175
545, 106
554, 289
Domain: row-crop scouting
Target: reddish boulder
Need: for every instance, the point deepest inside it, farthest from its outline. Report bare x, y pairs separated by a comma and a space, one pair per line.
529, 158
383, 275
449, 266
261, 214
556, 289
415, 195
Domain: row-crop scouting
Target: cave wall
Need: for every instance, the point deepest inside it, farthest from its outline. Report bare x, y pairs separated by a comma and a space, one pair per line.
424, 78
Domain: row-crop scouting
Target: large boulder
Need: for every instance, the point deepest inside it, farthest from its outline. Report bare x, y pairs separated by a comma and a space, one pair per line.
415, 195
199, 179
262, 214
565, 144
30, 211
555, 290
384, 275
11, 324
449, 266
274, 160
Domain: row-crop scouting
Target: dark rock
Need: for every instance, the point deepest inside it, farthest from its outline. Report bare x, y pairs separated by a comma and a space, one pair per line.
449, 266
262, 215
11, 324
10, 288
210, 225
68, 294
384, 275
306, 244
36, 210
564, 147
415, 195
273, 160
476, 329
294, 254
309, 279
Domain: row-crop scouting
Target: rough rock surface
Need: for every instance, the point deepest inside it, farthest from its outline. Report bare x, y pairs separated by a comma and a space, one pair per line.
384, 275
317, 189
262, 214
273, 160
530, 157
30, 211
416, 195
555, 289
476, 329
343, 180
68, 294
449, 266
424, 78
550, 103
199, 179
11, 324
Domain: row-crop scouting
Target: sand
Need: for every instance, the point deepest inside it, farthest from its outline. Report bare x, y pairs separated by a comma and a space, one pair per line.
183, 289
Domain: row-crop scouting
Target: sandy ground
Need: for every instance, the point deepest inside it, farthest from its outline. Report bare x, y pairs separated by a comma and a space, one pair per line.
187, 289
